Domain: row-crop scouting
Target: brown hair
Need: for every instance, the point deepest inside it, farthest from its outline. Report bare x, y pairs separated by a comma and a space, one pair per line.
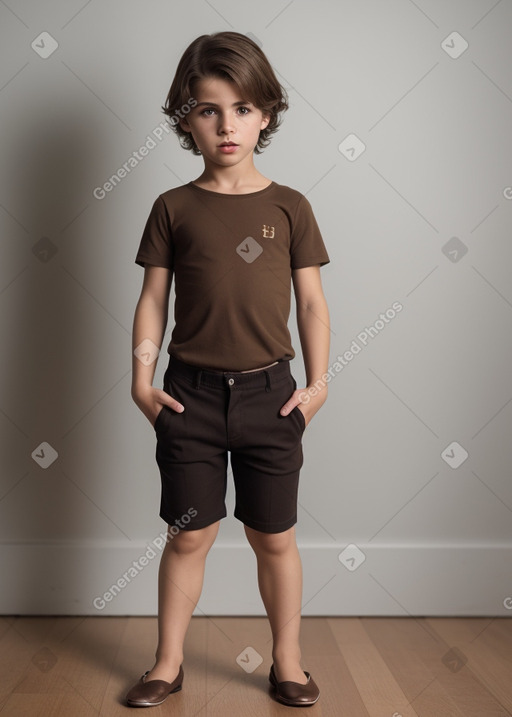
230, 56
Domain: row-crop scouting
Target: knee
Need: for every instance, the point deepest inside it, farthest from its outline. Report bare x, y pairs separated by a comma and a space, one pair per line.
271, 543
187, 542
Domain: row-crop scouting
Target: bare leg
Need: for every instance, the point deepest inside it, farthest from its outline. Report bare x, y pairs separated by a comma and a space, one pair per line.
280, 584
180, 581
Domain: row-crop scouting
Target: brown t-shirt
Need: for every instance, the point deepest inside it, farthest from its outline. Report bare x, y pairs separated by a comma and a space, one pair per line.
232, 256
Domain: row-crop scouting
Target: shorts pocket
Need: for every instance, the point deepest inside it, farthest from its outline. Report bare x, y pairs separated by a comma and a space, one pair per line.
159, 418
170, 422
301, 418
296, 410
165, 387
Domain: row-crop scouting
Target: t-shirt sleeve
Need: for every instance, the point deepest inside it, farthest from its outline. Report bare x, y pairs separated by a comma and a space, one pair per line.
307, 247
156, 247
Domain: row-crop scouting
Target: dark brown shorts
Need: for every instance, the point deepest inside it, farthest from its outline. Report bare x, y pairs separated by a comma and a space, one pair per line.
229, 411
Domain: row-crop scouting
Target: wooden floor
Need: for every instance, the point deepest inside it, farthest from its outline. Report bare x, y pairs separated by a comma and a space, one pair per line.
365, 667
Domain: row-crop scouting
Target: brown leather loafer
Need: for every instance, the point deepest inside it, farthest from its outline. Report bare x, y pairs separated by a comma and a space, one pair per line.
154, 692
294, 694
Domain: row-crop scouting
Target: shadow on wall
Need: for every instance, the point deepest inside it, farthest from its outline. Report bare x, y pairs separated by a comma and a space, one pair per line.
50, 324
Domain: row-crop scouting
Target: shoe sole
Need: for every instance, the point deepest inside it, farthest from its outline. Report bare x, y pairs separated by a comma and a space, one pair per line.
132, 703
290, 703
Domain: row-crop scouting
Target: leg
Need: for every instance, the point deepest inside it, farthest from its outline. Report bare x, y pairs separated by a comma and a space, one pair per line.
280, 584
180, 581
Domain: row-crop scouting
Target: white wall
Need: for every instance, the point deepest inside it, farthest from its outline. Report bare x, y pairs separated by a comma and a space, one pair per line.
436, 166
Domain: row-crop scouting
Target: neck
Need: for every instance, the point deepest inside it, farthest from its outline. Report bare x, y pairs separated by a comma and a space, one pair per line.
232, 180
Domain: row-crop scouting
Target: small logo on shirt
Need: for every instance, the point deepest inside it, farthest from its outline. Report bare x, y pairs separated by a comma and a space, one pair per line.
268, 232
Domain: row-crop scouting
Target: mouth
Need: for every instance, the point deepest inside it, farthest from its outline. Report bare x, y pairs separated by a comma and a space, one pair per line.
228, 144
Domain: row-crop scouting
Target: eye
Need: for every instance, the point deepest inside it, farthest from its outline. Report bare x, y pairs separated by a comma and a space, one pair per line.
244, 110
205, 111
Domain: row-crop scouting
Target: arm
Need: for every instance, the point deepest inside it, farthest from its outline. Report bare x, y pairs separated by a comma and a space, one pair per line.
314, 333
149, 322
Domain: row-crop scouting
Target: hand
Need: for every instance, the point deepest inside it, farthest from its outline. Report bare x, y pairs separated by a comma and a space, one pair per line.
308, 405
151, 401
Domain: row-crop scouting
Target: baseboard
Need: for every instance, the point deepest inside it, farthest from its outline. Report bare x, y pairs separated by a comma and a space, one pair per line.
380, 580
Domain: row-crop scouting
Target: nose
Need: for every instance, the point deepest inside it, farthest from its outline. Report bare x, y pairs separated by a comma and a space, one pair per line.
225, 124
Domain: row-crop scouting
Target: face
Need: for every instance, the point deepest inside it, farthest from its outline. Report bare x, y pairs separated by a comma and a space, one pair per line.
222, 116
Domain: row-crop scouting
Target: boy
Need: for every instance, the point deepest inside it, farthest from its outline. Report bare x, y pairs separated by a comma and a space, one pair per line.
233, 240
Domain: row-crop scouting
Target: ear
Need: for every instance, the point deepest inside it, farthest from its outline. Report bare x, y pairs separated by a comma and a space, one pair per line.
185, 125
264, 121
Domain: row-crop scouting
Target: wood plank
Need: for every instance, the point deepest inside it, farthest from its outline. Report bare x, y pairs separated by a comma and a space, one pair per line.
380, 692
46, 705
487, 645
339, 695
228, 683
365, 667
427, 669
72, 663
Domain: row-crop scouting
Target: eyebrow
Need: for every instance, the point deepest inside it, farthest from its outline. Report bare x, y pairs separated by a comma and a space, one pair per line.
213, 104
